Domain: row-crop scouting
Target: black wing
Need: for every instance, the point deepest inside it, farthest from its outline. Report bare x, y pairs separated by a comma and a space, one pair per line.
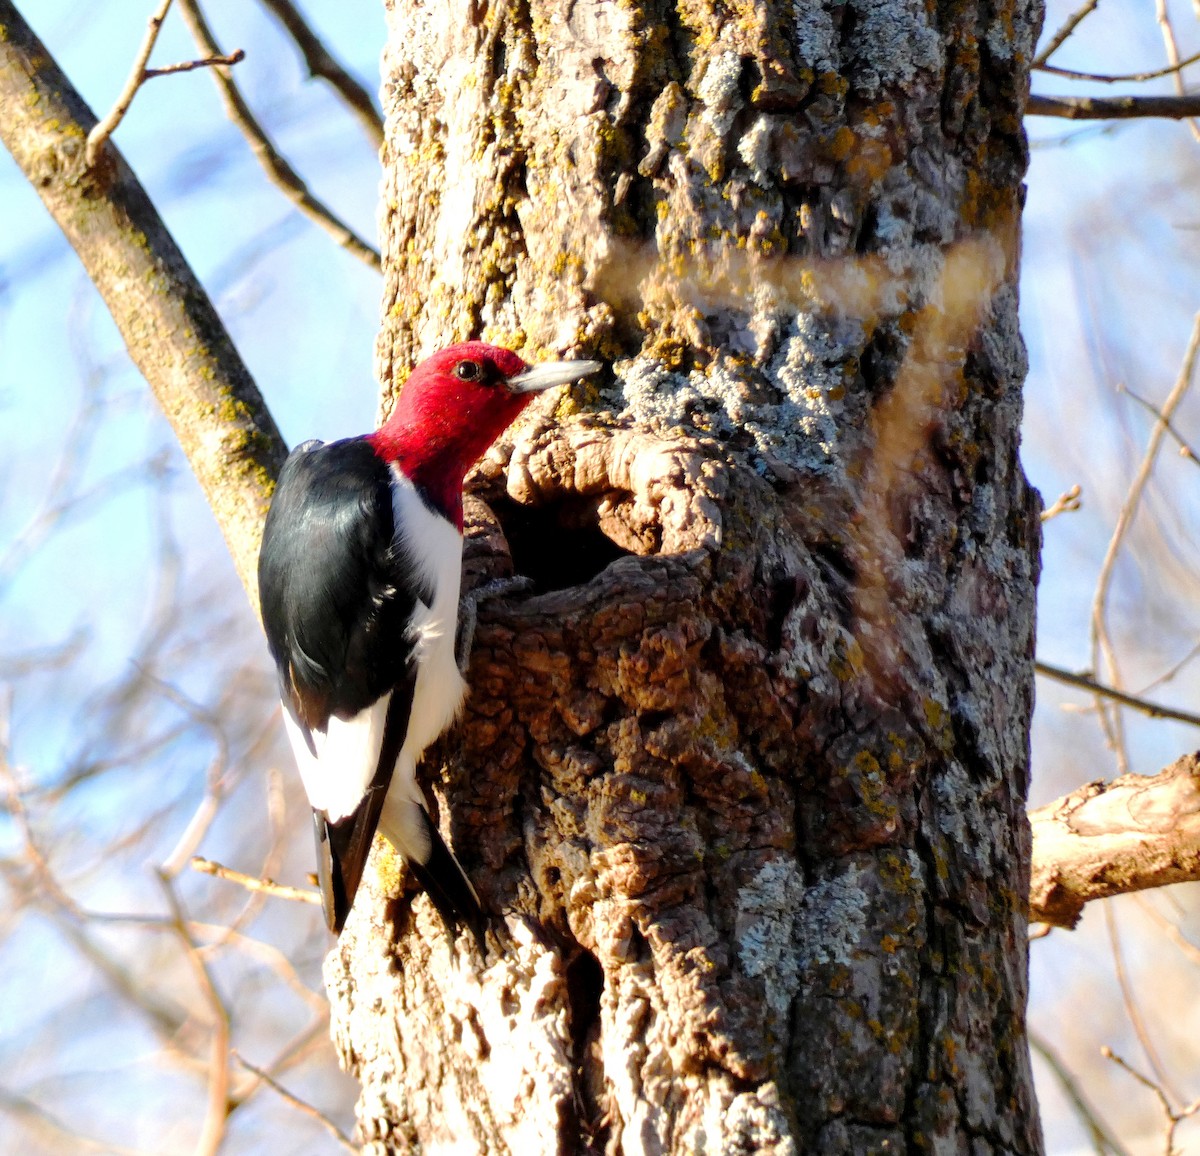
336, 603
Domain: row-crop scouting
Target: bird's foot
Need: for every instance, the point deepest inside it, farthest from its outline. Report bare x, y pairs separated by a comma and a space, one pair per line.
469, 612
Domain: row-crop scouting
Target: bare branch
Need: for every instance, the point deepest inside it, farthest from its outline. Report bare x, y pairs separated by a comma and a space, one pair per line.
213, 1132
1185, 448
1103, 1141
277, 824
138, 75
1132, 834
1129, 1001
251, 883
1102, 645
1084, 682
1169, 42
1113, 107
281, 174
1061, 36
1119, 78
103, 129
170, 327
57, 1135
321, 64
1174, 1118
298, 1104
234, 57
1171, 930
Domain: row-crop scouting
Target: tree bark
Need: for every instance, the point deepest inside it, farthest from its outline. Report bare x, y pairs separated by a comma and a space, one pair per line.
743, 782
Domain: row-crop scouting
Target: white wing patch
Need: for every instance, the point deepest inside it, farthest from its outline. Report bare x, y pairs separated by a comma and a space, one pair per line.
337, 778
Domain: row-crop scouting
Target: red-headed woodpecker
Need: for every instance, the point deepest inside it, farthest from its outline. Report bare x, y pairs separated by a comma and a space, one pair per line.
359, 582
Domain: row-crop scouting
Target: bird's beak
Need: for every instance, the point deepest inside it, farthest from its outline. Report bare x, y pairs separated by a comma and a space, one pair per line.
549, 374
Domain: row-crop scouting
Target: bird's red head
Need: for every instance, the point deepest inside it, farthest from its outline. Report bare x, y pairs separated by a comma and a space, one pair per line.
454, 405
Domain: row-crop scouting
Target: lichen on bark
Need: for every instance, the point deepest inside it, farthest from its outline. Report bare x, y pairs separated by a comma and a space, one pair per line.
743, 780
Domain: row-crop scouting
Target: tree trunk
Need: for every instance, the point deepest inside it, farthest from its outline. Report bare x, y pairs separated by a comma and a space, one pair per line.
743, 783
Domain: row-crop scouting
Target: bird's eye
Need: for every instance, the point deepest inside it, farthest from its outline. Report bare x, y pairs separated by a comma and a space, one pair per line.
468, 371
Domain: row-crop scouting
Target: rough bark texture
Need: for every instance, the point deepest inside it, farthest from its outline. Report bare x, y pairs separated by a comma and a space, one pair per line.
1137, 832
743, 782
170, 328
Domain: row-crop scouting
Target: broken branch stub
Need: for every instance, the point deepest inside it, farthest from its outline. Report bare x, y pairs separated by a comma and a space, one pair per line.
1104, 839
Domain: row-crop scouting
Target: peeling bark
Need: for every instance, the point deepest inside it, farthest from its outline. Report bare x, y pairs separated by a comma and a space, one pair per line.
169, 326
743, 780
1103, 839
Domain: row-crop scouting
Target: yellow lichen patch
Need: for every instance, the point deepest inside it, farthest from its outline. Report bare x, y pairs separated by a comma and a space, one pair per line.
896, 873
870, 163
513, 339
841, 144
983, 203
878, 114
230, 409
389, 865
850, 664
833, 84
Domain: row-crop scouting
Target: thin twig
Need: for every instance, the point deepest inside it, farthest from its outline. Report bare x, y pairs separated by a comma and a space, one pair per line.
1131, 1006
251, 883
165, 1020
1173, 669
1185, 448
138, 76
215, 786
1103, 1141
322, 65
1114, 107
280, 173
1101, 641
1170, 930
1085, 682
1060, 37
234, 57
300, 1105
1066, 503
1174, 1118
15, 806
273, 860
1119, 78
57, 1135
1169, 42
105, 127
213, 1132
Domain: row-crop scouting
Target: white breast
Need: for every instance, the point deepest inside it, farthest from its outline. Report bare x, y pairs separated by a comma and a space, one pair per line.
437, 546
440, 689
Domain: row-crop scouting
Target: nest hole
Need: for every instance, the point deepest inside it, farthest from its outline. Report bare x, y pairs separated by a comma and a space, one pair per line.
559, 544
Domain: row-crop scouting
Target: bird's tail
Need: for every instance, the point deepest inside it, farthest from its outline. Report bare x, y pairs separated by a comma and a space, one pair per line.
437, 870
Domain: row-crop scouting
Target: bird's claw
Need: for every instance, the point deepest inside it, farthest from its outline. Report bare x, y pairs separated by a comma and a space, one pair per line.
469, 612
